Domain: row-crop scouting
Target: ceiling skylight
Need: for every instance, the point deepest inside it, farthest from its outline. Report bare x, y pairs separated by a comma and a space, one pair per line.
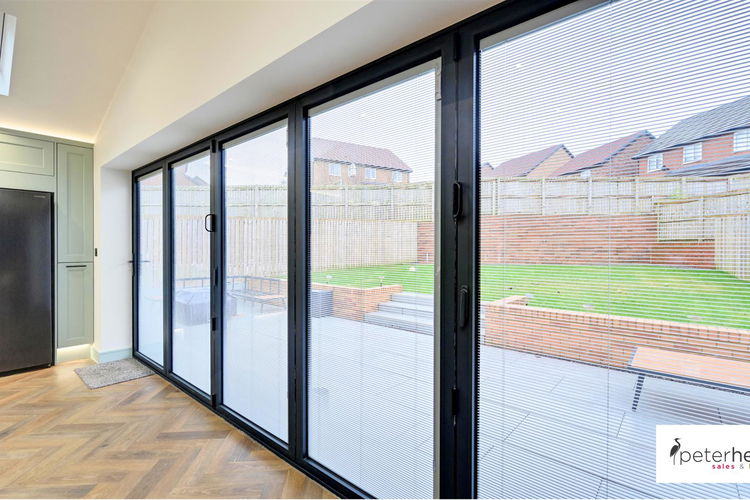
7, 37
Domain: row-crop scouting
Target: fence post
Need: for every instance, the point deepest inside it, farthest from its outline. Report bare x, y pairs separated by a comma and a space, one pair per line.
393, 204
347, 208
256, 195
636, 195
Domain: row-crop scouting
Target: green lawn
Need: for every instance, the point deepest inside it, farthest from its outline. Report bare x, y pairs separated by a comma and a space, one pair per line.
667, 293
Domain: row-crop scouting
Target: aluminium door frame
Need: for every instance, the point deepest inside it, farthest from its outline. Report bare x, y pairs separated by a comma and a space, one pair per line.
269, 118
439, 47
199, 147
507, 15
135, 263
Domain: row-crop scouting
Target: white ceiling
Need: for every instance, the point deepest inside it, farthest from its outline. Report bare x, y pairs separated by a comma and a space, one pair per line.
69, 58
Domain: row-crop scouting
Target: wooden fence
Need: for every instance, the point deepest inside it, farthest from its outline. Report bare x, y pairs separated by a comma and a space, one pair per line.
376, 225
258, 247
498, 196
596, 196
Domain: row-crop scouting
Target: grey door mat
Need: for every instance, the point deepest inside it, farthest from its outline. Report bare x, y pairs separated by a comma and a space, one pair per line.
113, 372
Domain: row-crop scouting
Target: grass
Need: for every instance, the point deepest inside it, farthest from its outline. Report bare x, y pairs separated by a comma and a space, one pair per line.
666, 293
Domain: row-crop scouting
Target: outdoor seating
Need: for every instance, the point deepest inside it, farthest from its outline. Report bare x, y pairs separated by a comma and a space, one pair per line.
258, 289
686, 367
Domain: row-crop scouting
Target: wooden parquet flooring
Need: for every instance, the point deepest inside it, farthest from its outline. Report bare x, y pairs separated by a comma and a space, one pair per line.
137, 439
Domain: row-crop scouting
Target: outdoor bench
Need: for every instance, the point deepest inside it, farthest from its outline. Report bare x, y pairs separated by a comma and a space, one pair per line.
686, 367
269, 290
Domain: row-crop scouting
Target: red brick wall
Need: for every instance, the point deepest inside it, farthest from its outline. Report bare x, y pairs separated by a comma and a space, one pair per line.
578, 240
348, 302
602, 338
352, 303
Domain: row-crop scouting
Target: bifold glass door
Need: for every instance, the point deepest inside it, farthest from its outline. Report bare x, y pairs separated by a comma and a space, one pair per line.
191, 260
150, 266
491, 264
256, 296
613, 249
372, 168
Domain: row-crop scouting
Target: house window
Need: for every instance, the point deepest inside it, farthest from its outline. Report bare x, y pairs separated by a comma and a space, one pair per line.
369, 173
742, 140
396, 176
692, 152
352, 170
334, 169
655, 162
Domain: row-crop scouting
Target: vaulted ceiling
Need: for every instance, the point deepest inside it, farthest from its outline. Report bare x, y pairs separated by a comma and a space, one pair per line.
69, 58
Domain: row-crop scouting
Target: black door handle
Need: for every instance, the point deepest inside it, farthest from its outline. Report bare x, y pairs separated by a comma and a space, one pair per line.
458, 201
463, 306
209, 220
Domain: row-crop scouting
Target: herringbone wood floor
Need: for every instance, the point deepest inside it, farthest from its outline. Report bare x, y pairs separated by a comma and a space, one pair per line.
142, 438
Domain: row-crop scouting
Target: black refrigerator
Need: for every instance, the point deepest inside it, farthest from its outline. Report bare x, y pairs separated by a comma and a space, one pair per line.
26, 280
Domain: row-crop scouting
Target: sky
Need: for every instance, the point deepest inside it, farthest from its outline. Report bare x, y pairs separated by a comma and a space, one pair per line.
608, 72
602, 74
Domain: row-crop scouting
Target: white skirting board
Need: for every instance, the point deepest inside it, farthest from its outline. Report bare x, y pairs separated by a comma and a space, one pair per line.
88, 351
113, 355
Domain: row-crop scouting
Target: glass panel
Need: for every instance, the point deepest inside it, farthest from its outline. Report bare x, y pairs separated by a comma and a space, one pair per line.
255, 296
615, 301
191, 307
371, 299
150, 267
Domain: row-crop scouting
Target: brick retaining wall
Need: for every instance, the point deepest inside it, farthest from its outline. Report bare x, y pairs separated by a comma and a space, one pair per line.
576, 240
352, 303
348, 302
602, 339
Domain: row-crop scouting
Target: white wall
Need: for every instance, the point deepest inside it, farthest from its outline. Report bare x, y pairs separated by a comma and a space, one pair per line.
112, 270
202, 66
190, 52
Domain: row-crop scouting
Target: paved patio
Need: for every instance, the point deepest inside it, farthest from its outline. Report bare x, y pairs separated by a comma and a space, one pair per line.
548, 428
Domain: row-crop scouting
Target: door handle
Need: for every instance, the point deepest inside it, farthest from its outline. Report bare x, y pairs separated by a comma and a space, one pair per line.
458, 200
209, 220
463, 306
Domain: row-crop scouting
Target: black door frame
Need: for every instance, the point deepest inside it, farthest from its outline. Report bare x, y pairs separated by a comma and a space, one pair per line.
275, 116
456, 186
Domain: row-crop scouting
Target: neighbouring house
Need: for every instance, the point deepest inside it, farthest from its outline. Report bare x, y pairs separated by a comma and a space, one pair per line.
712, 143
346, 163
613, 159
179, 177
533, 165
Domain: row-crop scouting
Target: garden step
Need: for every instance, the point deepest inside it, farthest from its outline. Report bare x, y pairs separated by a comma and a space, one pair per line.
422, 299
400, 322
407, 309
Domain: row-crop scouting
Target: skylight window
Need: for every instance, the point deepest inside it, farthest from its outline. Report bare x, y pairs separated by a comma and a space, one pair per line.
7, 38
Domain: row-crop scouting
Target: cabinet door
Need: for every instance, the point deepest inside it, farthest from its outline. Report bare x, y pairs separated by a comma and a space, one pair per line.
75, 204
27, 156
75, 304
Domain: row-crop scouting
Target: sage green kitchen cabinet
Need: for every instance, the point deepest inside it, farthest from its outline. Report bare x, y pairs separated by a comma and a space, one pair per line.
75, 304
75, 204
26, 155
